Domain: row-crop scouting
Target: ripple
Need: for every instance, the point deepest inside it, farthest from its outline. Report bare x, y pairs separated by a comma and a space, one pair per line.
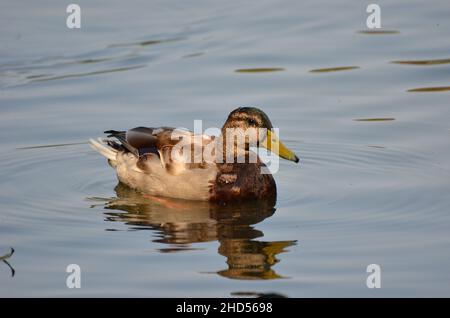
377, 147
66, 68
357, 174
422, 62
429, 89
374, 119
48, 179
379, 159
260, 70
334, 69
247, 294
193, 55
378, 32
52, 146
111, 70
113, 58
146, 42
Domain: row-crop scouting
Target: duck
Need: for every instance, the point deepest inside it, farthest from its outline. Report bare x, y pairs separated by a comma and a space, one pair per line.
171, 162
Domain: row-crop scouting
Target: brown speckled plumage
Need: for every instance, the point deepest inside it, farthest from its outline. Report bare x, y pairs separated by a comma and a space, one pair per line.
143, 160
240, 181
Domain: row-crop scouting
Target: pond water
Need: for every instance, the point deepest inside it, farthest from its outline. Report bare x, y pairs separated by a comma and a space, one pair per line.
368, 113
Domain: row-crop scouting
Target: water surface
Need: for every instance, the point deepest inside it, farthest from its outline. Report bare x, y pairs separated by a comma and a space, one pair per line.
371, 127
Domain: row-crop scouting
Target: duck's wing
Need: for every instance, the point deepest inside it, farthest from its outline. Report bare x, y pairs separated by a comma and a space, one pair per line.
145, 142
138, 141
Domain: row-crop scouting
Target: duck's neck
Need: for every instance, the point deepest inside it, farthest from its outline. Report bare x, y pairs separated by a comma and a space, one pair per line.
232, 149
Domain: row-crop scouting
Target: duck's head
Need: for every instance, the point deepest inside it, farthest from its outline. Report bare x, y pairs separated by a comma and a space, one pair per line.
251, 117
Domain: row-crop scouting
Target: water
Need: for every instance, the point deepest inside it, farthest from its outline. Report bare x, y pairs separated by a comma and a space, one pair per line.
368, 114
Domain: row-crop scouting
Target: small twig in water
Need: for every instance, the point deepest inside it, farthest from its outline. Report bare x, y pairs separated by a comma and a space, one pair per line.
4, 259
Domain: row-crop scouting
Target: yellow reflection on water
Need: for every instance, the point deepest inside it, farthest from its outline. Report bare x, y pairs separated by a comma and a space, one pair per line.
249, 259
422, 62
259, 70
430, 89
333, 69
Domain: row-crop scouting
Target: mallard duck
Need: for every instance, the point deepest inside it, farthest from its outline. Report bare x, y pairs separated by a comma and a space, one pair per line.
144, 160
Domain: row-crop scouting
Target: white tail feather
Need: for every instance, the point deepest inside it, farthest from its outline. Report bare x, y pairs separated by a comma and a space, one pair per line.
103, 149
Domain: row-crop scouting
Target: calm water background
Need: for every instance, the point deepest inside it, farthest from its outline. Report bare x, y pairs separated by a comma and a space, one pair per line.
365, 191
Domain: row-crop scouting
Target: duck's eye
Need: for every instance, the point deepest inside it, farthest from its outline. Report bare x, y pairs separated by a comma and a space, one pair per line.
251, 122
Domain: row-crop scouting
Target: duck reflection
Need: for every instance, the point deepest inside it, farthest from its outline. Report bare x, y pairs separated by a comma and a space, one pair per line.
180, 223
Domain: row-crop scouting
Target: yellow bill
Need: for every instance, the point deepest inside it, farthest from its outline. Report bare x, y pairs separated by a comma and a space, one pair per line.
273, 143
